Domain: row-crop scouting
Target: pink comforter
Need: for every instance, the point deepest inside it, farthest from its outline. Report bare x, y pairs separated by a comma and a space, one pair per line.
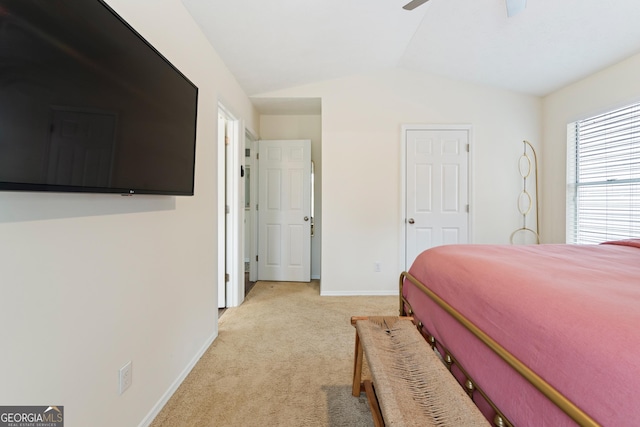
570, 313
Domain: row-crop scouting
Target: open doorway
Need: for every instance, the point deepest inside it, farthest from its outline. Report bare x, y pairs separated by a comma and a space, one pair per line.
279, 119
293, 119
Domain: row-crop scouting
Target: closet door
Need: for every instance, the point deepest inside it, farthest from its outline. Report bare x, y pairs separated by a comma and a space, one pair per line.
436, 189
284, 211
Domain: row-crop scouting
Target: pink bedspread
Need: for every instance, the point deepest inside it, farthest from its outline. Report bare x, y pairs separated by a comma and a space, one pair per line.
570, 313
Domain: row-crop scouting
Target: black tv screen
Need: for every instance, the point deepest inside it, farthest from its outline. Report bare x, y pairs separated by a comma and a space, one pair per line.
86, 104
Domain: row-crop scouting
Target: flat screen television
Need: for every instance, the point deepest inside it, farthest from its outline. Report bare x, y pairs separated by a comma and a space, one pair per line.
88, 105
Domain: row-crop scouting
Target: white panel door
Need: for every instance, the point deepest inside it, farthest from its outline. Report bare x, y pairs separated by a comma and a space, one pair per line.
284, 211
437, 194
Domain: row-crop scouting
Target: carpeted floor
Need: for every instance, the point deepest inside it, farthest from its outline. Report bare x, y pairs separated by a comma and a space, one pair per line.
283, 358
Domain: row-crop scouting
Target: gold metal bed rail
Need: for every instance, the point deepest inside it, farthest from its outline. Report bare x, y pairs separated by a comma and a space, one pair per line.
544, 387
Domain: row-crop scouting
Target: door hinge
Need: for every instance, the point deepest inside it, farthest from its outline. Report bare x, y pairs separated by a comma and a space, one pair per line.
256, 257
227, 209
226, 140
257, 156
467, 208
256, 206
467, 148
226, 277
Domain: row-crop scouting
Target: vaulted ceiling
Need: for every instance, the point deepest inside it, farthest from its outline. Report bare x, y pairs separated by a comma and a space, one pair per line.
275, 44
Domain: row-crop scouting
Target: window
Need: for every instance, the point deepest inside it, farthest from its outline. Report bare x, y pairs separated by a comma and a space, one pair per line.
603, 176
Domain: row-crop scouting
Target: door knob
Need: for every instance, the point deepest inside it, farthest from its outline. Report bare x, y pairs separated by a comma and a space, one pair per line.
410, 221
306, 218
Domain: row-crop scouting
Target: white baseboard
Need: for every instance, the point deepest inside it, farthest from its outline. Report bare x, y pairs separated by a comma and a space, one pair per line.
146, 422
358, 293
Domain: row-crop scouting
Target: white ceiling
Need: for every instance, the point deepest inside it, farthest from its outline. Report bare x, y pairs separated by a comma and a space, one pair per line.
275, 44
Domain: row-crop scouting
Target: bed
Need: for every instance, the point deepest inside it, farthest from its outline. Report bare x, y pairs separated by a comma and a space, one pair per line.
560, 325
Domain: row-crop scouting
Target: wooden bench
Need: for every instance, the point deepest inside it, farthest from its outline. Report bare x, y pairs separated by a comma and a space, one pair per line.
410, 386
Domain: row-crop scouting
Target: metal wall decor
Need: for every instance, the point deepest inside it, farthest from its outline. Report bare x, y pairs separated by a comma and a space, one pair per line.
527, 165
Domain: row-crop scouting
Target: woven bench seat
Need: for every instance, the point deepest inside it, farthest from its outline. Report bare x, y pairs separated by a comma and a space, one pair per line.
410, 385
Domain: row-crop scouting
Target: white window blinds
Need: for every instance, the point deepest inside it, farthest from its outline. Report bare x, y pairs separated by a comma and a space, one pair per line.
603, 167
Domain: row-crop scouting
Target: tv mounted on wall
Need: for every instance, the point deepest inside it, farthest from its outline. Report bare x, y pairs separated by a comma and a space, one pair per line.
88, 105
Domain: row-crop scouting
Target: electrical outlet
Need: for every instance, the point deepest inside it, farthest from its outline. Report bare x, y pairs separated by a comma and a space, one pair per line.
376, 267
126, 377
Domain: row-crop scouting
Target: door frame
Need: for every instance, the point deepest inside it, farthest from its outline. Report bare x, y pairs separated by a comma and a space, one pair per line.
403, 179
252, 144
230, 233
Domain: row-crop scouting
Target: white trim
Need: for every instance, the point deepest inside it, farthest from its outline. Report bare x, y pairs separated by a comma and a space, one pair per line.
220, 208
315, 277
253, 188
235, 286
360, 293
146, 421
235, 289
234, 232
403, 185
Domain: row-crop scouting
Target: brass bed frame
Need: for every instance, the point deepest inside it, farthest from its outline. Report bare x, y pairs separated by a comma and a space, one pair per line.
568, 407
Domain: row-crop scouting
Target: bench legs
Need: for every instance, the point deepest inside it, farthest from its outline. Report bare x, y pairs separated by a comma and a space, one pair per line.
407, 374
357, 368
373, 404
366, 386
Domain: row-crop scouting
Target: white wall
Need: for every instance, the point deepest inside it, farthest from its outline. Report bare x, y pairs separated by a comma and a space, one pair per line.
90, 282
614, 87
361, 119
302, 127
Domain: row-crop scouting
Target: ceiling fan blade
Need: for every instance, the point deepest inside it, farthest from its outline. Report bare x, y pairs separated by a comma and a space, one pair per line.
413, 4
515, 6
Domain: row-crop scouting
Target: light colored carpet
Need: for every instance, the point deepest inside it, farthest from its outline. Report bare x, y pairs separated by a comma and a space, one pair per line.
283, 358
